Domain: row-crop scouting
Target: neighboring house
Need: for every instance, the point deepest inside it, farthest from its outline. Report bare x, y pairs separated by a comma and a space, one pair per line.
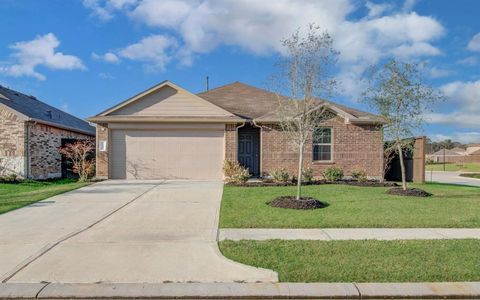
456, 155
168, 132
31, 132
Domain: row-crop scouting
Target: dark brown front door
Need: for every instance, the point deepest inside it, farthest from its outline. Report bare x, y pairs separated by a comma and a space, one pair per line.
249, 149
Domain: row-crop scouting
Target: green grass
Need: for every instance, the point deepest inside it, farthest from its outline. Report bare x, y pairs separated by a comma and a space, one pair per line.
351, 206
454, 167
471, 175
13, 196
361, 261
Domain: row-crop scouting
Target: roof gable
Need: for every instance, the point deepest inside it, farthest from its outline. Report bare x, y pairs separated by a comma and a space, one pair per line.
30, 108
166, 99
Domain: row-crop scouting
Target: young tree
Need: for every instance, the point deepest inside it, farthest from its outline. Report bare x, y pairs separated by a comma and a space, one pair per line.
81, 154
305, 73
398, 92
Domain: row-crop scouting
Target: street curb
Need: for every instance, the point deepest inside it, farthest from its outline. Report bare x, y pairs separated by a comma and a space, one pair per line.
452, 290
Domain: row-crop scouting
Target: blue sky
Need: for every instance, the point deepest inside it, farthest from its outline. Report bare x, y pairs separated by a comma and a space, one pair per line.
85, 56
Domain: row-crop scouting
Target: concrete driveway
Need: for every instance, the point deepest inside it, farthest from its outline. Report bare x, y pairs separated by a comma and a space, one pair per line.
450, 177
121, 231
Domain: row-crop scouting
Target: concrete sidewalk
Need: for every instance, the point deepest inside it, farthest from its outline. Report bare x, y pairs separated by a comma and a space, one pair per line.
451, 177
331, 234
463, 290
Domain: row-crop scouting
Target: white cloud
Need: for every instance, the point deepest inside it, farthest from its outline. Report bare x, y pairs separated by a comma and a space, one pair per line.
257, 27
28, 55
474, 44
462, 137
469, 61
465, 97
156, 50
107, 57
409, 4
435, 72
375, 9
106, 76
104, 10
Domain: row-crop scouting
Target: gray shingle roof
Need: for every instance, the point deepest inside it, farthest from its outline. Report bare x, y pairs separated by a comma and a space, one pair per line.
39, 111
254, 103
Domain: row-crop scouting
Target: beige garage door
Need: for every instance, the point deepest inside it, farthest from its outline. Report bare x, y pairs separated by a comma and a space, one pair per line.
166, 154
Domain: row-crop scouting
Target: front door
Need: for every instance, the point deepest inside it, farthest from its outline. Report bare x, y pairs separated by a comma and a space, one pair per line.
249, 149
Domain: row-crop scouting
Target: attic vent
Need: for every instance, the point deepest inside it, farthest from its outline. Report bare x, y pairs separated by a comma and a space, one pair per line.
32, 97
49, 114
16, 94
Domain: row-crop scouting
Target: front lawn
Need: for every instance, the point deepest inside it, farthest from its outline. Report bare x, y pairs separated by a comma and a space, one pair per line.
361, 261
13, 196
454, 167
471, 175
351, 206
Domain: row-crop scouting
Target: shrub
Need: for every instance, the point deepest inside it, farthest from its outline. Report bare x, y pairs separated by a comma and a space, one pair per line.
82, 154
280, 175
234, 172
360, 176
11, 178
333, 174
307, 174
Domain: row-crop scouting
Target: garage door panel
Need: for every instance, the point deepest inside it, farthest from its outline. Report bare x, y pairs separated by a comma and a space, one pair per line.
172, 154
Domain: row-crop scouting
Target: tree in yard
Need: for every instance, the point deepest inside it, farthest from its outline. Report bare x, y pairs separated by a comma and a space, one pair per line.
304, 75
398, 92
80, 153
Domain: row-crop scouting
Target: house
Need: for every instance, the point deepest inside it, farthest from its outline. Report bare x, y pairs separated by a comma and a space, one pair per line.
31, 132
456, 155
168, 132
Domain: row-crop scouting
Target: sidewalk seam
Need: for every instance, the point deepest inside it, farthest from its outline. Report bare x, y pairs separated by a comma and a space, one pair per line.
39, 291
358, 290
70, 235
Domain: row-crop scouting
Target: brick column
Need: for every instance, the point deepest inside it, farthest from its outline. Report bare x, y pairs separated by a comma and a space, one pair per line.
419, 160
102, 156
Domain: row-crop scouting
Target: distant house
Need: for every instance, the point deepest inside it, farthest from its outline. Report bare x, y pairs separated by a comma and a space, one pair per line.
456, 155
168, 132
30, 133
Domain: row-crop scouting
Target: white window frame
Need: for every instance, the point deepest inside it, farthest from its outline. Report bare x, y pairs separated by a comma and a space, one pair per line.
323, 144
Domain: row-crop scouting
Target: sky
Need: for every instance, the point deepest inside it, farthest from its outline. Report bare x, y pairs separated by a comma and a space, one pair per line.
86, 56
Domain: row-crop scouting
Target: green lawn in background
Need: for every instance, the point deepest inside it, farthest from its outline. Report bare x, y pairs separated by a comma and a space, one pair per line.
471, 175
352, 206
361, 261
13, 196
454, 167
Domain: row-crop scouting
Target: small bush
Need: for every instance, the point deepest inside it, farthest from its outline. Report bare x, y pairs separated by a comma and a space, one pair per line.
360, 176
280, 175
333, 174
11, 178
234, 172
307, 175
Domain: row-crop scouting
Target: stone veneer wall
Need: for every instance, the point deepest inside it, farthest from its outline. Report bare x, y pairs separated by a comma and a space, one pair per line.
12, 144
102, 157
355, 148
44, 140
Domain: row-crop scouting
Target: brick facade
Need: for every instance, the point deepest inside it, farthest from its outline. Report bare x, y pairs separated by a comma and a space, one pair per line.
12, 144
355, 148
30, 149
44, 140
102, 157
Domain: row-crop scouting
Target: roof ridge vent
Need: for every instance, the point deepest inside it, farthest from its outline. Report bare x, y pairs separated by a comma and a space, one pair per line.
32, 97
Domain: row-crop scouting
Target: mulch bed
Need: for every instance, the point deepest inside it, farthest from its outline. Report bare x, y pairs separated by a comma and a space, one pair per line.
408, 192
370, 183
293, 203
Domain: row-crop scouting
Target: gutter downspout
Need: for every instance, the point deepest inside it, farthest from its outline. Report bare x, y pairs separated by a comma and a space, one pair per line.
261, 145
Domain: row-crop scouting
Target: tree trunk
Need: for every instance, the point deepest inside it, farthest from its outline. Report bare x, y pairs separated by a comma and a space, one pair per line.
300, 171
402, 167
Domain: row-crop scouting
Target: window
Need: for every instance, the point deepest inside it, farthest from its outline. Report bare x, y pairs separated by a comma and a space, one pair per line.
322, 144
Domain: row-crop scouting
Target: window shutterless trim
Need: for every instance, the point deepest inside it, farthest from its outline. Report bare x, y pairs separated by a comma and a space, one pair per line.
324, 144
